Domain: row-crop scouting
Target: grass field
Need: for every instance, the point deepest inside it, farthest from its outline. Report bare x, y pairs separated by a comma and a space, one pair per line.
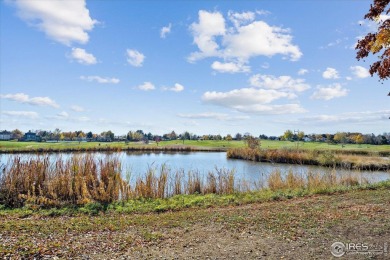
11, 146
214, 227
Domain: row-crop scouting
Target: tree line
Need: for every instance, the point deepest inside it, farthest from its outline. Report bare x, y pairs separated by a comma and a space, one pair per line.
140, 135
337, 138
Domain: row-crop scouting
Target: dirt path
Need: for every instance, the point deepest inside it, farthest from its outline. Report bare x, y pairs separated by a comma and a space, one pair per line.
302, 228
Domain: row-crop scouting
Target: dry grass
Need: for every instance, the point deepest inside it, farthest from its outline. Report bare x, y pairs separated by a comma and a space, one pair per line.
312, 181
311, 157
79, 180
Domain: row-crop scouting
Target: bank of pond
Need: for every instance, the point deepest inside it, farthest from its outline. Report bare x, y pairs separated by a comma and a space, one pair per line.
53, 180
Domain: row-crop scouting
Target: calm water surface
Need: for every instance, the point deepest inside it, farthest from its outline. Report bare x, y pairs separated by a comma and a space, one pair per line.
137, 164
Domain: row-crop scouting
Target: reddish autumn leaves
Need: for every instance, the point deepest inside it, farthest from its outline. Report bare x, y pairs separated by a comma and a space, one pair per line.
378, 42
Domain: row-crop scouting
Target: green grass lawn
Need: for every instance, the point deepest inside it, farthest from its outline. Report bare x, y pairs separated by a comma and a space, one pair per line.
276, 228
267, 144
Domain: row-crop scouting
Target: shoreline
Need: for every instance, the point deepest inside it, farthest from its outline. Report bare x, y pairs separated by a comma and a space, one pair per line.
349, 161
177, 148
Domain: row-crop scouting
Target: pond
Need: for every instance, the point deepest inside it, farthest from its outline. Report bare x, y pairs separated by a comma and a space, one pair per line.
137, 163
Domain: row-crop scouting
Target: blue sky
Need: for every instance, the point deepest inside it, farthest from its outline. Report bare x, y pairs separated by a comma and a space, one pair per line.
213, 67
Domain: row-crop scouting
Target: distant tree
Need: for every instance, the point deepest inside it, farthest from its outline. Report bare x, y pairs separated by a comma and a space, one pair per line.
135, 136
80, 136
173, 135
73, 135
300, 135
383, 140
109, 135
185, 136
377, 43
56, 134
229, 138
252, 142
17, 134
329, 138
263, 136
157, 139
89, 135
318, 137
246, 134
129, 136
359, 139
340, 137
238, 137
288, 135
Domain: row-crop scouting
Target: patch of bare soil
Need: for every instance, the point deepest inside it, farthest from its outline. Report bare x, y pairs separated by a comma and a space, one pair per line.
303, 228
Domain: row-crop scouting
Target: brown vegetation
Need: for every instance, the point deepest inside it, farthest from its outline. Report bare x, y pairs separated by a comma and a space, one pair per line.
79, 180
83, 179
311, 157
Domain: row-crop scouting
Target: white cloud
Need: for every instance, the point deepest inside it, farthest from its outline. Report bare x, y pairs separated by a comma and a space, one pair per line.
383, 17
83, 57
26, 114
286, 83
229, 67
260, 39
302, 71
25, 99
244, 96
348, 78
204, 32
63, 21
350, 117
263, 12
330, 92
239, 19
165, 30
272, 109
146, 86
258, 98
249, 100
372, 26
246, 39
176, 88
135, 58
77, 108
360, 71
330, 73
83, 119
100, 79
212, 115
62, 115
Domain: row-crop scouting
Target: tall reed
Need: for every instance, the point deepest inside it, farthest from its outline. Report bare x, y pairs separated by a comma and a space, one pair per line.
78, 180
312, 181
311, 157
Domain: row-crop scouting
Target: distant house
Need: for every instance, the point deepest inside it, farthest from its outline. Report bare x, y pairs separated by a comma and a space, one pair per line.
30, 136
274, 138
5, 135
307, 139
